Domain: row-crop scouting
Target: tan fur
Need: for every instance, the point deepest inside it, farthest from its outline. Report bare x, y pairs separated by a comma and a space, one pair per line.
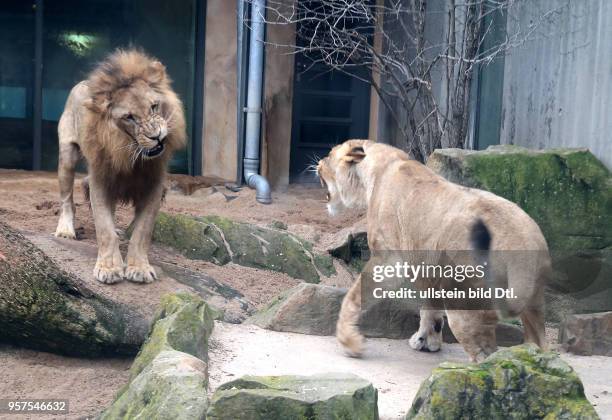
409, 207
119, 119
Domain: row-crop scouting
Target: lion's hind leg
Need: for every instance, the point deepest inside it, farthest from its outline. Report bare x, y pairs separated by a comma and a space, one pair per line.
68, 159
347, 329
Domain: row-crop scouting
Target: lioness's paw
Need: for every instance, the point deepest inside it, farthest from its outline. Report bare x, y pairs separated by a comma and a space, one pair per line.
108, 275
352, 344
142, 273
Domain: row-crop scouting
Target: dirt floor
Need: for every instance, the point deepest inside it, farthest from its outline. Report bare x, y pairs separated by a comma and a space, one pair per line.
29, 202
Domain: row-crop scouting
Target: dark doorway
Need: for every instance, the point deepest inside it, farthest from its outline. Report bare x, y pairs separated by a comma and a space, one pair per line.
329, 106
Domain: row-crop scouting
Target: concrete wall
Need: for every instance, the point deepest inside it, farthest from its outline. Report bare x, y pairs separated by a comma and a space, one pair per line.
558, 89
220, 131
278, 104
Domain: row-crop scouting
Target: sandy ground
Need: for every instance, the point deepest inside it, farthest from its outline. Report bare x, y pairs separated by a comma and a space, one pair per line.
88, 385
394, 369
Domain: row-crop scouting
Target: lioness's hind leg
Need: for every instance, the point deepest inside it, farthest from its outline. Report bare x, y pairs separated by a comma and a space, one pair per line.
68, 159
533, 322
475, 331
429, 335
347, 329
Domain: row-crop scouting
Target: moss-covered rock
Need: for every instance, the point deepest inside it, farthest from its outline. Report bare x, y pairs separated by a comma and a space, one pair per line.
328, 396
184, 323
568, 192
221, 240
46, 308
172, 386
169, 377
519, 382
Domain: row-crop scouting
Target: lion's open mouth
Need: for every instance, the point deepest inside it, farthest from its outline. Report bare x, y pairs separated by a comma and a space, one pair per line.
156, 151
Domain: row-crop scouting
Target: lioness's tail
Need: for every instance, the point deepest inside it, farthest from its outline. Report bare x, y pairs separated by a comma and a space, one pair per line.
480, 241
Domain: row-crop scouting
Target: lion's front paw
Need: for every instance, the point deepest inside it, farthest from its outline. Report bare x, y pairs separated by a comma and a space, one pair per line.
108, 274
140, 273
65, 230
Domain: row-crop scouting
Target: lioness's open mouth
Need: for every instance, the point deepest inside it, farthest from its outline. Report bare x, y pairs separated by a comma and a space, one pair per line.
156, 151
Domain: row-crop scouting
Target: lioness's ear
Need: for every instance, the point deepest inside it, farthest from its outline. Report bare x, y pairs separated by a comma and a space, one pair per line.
355, 155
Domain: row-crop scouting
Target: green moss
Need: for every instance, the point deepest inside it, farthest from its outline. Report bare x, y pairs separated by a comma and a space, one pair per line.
330, 396
567, 192
519, 382
184, 323
221, 240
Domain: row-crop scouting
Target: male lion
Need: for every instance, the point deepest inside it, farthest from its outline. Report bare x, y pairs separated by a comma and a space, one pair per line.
409, 207
126, 121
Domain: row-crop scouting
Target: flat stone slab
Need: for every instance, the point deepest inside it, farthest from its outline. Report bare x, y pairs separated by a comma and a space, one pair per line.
325, 396
393, 368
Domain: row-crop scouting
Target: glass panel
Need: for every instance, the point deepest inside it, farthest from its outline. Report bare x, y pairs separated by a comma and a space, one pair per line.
326, 80
325, 106
324, 133
77, 34
16, 83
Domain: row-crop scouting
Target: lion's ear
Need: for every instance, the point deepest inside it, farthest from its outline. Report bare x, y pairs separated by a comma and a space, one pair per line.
156, 72
355, 155
98, 105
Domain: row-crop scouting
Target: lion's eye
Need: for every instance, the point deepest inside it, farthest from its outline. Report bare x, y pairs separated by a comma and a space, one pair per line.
129, 117
155, 107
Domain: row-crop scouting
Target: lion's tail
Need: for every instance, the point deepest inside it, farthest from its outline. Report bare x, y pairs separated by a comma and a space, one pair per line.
480, 241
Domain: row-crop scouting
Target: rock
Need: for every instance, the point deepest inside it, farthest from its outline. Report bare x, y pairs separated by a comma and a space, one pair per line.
232, 304
45, 308
327, 396
588, 334
351, 245
568, 192
307, 309
172, 386
184, 323
221, 240
313, 309
520, 382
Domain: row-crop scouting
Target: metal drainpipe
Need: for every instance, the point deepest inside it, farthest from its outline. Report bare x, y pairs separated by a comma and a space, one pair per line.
253, 108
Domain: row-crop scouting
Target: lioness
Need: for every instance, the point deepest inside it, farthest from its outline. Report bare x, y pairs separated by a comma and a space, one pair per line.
126, 121
409, 207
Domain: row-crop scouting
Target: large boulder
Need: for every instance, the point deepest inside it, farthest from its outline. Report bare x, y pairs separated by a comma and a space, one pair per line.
587, 334
47, 308
317, 397
221, 240
172, 386
568, 192
313, 309
520, 382
169, 377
